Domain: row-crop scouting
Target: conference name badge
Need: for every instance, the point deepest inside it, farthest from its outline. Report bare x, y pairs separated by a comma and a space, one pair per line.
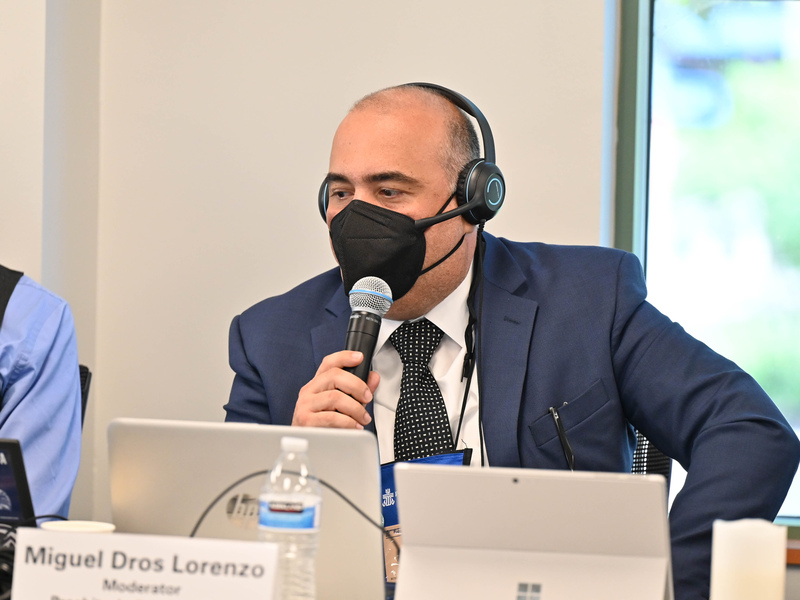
389, 501
96, 566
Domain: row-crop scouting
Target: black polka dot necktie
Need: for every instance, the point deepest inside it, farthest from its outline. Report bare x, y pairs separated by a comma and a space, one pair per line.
421, 427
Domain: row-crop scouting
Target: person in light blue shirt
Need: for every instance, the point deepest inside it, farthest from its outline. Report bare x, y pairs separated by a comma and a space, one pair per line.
40, 391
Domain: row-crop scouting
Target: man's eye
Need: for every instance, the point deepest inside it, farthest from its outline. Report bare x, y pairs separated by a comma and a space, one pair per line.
339, 194
387, 193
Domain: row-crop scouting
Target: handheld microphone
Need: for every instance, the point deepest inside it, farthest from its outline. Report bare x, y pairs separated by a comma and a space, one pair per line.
370, 299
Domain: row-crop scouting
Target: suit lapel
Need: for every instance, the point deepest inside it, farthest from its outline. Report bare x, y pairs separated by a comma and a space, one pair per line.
329, 337
506, 328
506, 332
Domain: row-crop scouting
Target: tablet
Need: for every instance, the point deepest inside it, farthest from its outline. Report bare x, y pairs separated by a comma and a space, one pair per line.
531, 534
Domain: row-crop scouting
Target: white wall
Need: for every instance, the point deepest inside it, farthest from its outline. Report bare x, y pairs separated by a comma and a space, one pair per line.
70, 191
49, 112
22, 37
215, 122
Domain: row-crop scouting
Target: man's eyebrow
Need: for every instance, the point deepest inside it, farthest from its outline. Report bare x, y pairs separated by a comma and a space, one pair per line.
374, 178
336, 177
391, 176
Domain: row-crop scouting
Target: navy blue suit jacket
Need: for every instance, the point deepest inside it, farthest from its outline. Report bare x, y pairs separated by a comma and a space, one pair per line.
565, 325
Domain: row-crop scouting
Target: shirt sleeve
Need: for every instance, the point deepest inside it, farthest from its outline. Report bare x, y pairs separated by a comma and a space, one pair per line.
41, 393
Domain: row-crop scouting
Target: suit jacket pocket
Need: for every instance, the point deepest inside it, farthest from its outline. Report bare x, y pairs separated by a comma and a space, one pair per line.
572, 413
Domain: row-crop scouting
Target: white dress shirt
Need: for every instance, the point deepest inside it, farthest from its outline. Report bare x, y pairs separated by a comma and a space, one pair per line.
451, 316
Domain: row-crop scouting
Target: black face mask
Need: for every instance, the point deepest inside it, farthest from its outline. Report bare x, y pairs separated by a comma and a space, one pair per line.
371, 241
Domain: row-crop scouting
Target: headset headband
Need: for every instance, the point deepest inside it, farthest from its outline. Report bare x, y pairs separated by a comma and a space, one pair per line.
480, 190
468, 107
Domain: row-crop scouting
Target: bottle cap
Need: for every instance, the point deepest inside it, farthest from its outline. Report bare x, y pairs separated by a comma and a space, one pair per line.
294, 444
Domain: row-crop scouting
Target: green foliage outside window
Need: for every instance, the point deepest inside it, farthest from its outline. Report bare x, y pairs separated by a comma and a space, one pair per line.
755, 151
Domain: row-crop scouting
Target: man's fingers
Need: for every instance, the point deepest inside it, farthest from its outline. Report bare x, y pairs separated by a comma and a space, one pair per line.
336, 397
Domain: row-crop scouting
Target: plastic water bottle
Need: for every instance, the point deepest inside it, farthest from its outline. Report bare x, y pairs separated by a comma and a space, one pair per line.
288, 514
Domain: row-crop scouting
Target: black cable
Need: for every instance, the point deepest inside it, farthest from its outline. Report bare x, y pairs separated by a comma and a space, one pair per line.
478, 298
219, 497
470, 333
322, 481
208, 509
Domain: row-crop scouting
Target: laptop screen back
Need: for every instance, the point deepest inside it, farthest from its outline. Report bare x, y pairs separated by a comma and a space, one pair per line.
164, 474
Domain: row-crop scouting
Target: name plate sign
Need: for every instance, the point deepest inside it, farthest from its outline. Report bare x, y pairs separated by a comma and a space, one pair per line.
57, 565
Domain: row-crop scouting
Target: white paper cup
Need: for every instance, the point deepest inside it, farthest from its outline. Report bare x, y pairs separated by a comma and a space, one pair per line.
78, 526
748, 560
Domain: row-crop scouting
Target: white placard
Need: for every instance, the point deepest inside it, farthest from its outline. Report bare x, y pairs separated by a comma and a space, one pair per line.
55, 565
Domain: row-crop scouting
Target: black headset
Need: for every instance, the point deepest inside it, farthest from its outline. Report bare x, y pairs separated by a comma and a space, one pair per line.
481, 188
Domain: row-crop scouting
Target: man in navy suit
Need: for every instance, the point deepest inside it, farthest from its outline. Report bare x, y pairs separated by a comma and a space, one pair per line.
563, 330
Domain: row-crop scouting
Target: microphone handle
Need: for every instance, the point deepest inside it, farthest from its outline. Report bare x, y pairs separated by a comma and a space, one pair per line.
362, 335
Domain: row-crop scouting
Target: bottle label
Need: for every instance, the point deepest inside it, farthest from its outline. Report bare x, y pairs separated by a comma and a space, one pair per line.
281, 514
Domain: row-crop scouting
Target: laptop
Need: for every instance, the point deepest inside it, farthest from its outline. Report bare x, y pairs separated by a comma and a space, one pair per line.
527, 534
16, 504
164, 474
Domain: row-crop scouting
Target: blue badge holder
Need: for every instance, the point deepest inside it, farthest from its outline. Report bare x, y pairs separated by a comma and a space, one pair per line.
391, 523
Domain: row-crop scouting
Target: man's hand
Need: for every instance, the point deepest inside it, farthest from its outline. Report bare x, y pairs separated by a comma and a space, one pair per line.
335, 397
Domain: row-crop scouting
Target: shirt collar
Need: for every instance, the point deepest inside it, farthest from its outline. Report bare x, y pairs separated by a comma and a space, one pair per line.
450, 315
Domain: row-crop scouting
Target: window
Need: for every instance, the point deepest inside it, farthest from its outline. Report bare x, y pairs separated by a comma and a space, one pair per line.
723, 226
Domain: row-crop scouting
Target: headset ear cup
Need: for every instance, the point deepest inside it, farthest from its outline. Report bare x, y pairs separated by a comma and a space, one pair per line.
463, 186
322, 200
490, 191
482, 187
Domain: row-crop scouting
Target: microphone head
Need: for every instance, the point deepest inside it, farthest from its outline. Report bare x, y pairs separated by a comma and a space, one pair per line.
371, 294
